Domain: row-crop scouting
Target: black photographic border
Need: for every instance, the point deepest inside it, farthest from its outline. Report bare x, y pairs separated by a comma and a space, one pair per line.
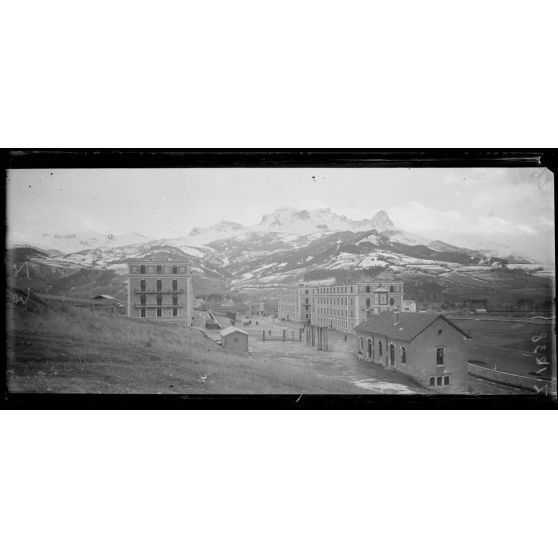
272, 158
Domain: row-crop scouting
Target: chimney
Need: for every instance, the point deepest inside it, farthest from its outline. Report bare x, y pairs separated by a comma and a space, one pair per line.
395, 317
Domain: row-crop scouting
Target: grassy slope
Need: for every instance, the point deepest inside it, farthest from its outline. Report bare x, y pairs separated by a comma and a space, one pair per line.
64, 349
507, 344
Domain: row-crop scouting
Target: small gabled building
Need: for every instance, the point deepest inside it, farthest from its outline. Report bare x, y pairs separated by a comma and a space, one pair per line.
108, 304
427, 346
234, 339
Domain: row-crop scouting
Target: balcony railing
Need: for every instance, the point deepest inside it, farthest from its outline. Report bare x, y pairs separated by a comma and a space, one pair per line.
159, 306
155, 291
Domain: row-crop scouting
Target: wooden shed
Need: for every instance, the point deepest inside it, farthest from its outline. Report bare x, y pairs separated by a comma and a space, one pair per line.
234, 339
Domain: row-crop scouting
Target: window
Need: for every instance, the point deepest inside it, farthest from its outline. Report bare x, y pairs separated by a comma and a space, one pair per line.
403, 355
439, 381
369, 348
142, 285
380, 348
361, 343
391, 301
440, 356
159, 312
159, 285
175, 311
391, 288
174, 285
142, 313
158, 269
383, 298
142, 269
392, 354
175, 269
159, 300
175, 301
367, 288
143, 300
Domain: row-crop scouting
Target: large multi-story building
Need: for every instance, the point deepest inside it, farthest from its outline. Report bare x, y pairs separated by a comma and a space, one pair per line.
294, 304
160, 290
345, 306
340, 306
255, 308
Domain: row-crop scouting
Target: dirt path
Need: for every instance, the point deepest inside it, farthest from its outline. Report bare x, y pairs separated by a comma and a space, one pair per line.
339, 362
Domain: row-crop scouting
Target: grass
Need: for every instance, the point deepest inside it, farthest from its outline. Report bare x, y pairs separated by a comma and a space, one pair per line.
61, 349
507, 344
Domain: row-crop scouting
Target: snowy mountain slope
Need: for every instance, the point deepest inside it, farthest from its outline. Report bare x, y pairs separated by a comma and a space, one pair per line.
68, 243
287, 245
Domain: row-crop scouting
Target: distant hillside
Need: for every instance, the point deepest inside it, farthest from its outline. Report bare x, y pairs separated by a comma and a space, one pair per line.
287, 246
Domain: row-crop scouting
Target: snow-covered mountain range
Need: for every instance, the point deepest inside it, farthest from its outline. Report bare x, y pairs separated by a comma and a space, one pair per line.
286, 246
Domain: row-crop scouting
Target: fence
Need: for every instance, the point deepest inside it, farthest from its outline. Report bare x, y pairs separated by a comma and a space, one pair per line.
531, 383
292, 336
317, 336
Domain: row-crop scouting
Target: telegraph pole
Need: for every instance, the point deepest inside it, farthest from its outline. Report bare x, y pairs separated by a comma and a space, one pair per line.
93, 277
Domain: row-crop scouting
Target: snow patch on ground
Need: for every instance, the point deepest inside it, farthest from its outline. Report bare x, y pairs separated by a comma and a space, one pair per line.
371, 261
374, 385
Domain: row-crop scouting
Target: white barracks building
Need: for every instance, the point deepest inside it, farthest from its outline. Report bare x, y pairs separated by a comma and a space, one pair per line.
341, 306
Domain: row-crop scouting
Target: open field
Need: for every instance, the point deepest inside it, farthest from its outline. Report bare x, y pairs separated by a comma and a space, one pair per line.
508, 344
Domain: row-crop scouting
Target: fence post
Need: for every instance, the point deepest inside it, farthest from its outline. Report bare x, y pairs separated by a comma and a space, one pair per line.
263, 336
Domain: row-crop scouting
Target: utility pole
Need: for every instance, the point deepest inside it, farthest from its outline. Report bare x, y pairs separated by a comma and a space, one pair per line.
93, 277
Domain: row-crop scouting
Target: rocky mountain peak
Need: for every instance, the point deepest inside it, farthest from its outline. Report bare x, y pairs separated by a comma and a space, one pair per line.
382, 222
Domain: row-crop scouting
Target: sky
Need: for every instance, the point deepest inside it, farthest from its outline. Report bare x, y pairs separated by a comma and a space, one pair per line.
467, 207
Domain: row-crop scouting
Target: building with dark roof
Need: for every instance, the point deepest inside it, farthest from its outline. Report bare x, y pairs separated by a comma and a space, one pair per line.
427, 346
109, 304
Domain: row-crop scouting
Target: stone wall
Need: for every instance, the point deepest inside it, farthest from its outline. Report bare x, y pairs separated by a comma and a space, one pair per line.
525, 382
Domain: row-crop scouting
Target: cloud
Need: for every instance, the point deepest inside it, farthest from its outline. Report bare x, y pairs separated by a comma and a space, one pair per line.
497, 225
417, 217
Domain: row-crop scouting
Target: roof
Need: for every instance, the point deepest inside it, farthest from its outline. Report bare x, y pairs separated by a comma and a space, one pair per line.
409, 326
63, 298
107, 297
163, 261
231, 329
